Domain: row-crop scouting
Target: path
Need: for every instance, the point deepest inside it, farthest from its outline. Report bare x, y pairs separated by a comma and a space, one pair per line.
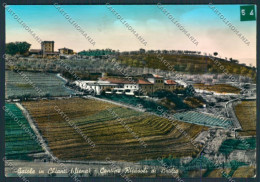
115, 103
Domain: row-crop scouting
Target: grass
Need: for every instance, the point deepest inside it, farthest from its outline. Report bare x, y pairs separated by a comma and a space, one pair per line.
110, 137
246, 114
219, 88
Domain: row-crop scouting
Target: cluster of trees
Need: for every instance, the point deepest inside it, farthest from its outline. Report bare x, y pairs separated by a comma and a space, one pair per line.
14, 48
143, 51
172, 100
97, 52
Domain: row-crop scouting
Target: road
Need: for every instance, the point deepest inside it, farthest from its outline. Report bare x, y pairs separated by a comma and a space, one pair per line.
231, 113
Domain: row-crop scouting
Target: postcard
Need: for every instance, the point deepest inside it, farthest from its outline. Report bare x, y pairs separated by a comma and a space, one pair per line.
127, 91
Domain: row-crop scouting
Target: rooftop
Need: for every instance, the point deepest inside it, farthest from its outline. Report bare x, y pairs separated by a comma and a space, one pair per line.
170, 82
144, 82
35, 50
148, 75
118, 80
47, 41
66, 49
157, 76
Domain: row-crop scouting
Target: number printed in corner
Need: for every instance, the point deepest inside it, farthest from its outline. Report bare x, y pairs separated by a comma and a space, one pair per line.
247, 13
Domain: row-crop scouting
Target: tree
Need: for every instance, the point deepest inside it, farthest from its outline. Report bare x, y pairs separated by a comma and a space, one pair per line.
215, 53
23, 47
142, 51
13, 48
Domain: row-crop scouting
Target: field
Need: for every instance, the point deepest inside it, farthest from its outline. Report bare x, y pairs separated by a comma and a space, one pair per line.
110, 136
246, 114
29, 83
19, 142
202, 119
245, 172
219, 88
241, 172
218, 173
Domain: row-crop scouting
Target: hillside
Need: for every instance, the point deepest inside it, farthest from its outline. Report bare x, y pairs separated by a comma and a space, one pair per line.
194, 64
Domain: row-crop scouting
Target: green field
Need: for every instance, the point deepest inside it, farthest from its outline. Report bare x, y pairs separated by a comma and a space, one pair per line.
202, 119
19, 137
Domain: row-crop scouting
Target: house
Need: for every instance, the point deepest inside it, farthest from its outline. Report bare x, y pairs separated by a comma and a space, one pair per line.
170, 85
145, 86
66, 51
35, 52
157, 80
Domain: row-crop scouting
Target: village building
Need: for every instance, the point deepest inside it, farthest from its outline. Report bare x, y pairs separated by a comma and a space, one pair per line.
47, 49
47, 46
66, 51
35, 52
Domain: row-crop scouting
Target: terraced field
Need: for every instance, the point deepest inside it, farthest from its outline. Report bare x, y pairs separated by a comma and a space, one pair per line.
28, 83
202, 119
110, 136
19, 138
246, 114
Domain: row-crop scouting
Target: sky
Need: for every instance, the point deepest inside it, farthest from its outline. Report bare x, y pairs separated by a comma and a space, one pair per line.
212, 34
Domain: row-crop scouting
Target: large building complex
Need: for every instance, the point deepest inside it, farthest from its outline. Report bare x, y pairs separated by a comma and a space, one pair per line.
146, 84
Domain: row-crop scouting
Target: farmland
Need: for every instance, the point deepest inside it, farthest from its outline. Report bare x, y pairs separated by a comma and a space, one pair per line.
111, 138
219, 88
34, 84
245, 172
20, 143
246, 114
202, 119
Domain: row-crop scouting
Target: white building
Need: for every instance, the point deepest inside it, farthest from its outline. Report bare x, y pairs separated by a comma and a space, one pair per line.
96, 86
